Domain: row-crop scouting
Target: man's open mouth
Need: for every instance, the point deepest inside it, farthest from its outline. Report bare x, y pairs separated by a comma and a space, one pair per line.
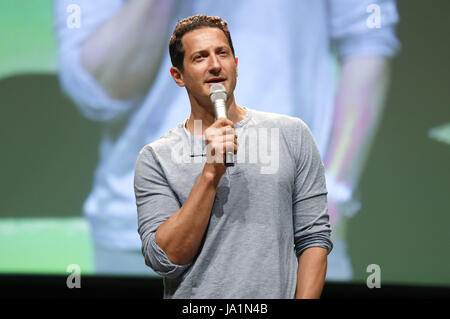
216, 80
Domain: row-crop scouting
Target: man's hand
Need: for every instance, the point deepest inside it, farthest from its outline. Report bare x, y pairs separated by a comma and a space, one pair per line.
220, 137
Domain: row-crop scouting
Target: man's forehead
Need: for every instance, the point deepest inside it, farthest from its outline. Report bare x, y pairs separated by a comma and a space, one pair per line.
203, 38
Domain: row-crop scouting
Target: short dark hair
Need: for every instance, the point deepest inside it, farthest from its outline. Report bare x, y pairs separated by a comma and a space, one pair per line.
192, 23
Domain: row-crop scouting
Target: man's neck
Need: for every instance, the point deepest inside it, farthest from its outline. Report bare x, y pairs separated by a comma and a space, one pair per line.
205, 114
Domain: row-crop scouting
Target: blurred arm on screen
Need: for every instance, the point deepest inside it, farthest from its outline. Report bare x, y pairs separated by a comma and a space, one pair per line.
98, 58
124, 53
359, 106
364, 52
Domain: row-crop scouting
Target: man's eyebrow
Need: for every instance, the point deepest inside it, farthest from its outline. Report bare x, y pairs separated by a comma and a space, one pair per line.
222, 47
197, 52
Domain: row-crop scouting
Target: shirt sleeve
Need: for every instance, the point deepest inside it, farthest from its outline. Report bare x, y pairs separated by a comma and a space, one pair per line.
156, 202
310, 207
76, 82
352, 30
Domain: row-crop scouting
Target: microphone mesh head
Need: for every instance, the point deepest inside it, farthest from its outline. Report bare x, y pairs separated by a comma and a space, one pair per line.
217, 92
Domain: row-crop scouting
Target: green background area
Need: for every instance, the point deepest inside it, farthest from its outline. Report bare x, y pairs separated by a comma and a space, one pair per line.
45, 245
27, 41
49, 153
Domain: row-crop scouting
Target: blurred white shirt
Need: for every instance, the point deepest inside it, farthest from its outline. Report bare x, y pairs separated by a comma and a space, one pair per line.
287, 52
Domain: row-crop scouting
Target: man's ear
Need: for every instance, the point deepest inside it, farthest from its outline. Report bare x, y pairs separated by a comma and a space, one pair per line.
177, 76
236, 59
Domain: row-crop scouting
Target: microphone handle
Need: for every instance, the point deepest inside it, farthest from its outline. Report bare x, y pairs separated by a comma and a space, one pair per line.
221, 111
229, 159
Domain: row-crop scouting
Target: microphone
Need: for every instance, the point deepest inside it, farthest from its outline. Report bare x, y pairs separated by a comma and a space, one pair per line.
218, 96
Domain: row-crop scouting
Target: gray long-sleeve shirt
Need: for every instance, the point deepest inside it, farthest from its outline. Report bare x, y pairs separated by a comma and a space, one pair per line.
269, 208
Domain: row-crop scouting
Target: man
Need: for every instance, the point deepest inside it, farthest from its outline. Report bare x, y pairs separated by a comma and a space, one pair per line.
243, 234
323, 64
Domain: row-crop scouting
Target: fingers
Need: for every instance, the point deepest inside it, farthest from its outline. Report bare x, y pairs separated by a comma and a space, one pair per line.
220, 138
218, 146
225, 131
222, 122
221, 127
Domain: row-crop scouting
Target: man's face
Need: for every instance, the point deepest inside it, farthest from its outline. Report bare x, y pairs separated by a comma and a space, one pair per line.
208, 59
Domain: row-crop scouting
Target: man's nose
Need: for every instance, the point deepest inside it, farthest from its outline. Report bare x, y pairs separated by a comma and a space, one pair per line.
214, 64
